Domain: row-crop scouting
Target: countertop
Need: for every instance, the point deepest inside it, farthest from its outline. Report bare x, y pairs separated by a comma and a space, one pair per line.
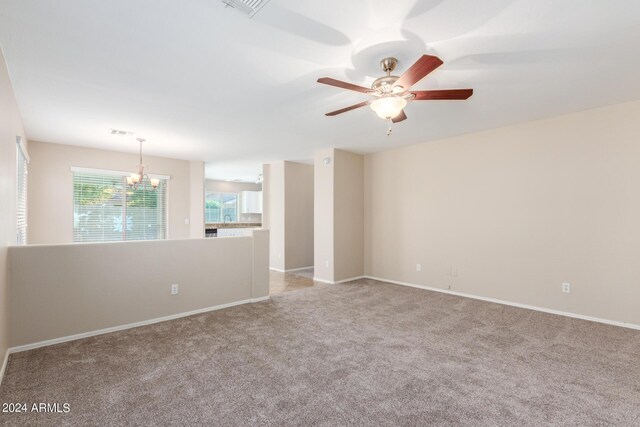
233, 225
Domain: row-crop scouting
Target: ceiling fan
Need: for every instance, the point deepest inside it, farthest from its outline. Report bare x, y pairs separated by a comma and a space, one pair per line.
391, 93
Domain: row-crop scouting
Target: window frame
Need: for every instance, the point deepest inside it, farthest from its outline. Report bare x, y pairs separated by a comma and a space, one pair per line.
237, 195
123, 175
22, 165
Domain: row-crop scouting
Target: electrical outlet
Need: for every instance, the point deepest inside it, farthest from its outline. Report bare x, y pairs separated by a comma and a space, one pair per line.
418, 267
454, 272
566, 288
186, 221
326, 263
174, 289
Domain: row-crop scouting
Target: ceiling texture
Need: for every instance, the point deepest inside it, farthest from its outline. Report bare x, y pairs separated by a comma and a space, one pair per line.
203, 81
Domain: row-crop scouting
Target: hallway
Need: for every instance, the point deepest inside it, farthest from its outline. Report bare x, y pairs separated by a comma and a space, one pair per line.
290, 281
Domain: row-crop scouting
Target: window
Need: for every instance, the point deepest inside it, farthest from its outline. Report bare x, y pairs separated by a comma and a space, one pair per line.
21, 194
106, 209
217, 206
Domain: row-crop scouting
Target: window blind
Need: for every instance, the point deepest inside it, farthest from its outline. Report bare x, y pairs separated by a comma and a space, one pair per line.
21, 196
106, 209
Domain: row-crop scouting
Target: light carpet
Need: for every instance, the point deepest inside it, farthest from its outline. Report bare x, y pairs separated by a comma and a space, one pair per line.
361, 353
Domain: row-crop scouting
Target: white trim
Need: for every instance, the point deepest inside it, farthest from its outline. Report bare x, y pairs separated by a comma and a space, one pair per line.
167, 195
350, 279
4, 365
329, 282
513, 304
290, 270
23, 148
113, 172
337, 282
298, 269
130, 325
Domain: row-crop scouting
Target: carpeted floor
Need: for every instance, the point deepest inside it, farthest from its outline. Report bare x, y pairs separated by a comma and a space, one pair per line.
362, 353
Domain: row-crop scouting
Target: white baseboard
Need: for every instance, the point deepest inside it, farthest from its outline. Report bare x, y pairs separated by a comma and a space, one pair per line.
129, 326
290, 270
298, 269
349, 279
4, 365
513, 304
329, 282
337, 282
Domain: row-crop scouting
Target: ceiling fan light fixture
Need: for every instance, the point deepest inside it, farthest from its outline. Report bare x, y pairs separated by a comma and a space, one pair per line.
391, 93
388, 107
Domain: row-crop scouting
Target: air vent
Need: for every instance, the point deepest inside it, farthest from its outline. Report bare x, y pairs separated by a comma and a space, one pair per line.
248, 7
119, 132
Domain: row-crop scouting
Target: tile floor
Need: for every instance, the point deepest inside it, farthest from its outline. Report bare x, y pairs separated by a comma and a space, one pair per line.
291, 281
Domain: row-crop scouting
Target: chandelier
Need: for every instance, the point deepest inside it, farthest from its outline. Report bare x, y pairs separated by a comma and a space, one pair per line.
138, 178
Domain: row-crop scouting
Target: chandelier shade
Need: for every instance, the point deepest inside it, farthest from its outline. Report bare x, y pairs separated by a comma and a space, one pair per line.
138, 178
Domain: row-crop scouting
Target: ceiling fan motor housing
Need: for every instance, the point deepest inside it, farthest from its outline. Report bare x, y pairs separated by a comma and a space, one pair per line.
384, 84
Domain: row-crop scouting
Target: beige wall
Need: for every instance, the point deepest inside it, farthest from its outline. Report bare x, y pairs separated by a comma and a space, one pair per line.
512, 213
196, 176
10, 129
348, 211
290, 204
236, 187
8, 132
260, 263
339, 213
63, 290
276, 215
298, 208
323, 215
266, 196
51, 187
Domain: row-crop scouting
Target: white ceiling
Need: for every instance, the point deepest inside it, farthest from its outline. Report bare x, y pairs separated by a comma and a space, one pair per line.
201, 81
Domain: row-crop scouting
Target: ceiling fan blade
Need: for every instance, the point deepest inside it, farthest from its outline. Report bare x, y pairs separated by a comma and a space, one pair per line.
344, 110
344, 85
400, 117
417, 71
425, 95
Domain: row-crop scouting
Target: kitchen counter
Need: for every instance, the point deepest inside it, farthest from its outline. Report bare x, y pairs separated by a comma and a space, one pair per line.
210, 225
